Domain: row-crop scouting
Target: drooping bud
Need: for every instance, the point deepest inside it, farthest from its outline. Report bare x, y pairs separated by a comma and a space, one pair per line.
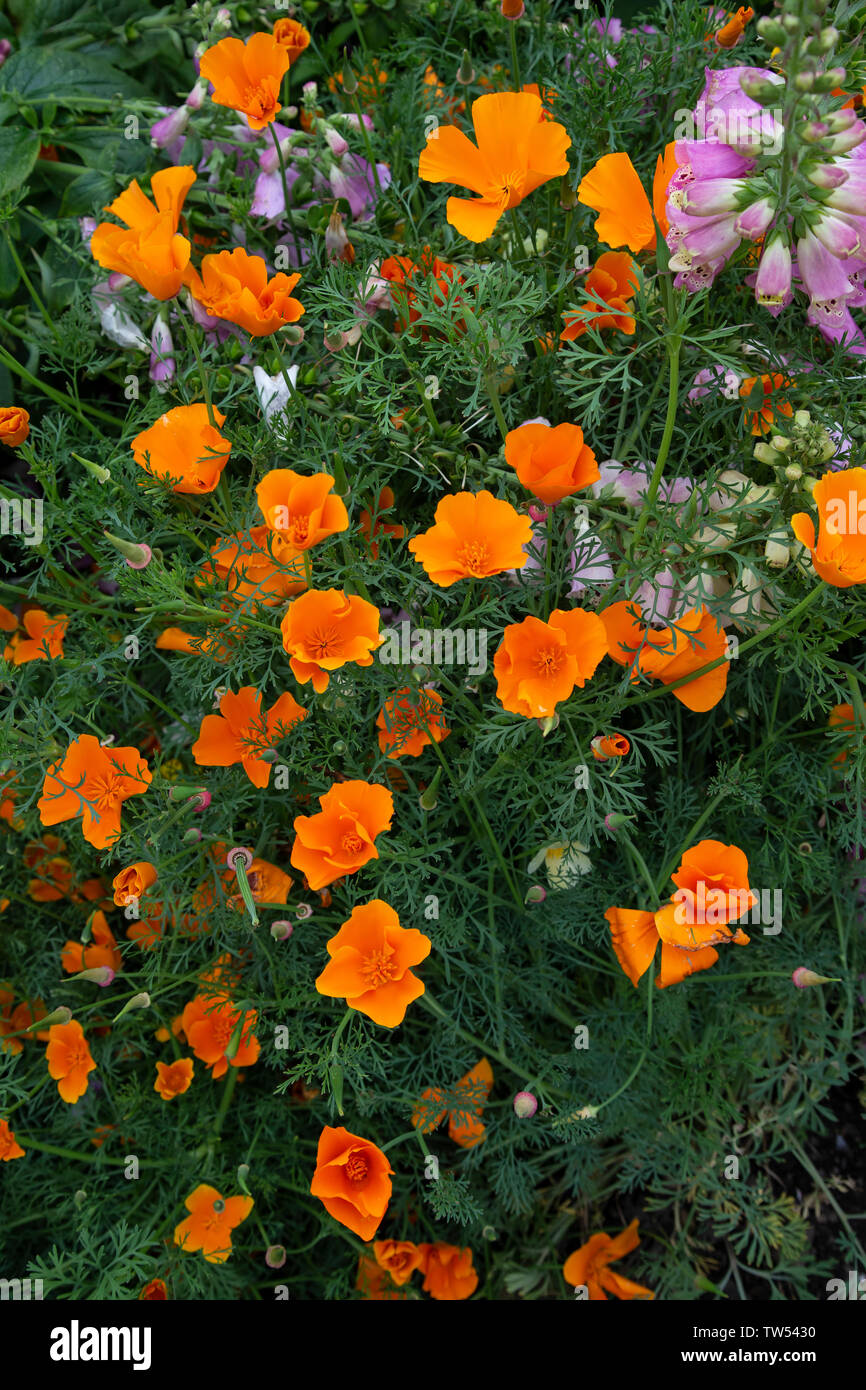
101, 975
182, 791
281, 930
615, 820
536, 894
525, 1105
96, 471
138, 557
138, 1001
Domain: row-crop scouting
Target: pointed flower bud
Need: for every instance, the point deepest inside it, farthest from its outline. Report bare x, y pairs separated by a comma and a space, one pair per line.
59, 1015
465, 72
138, 1001
803, 978
101, 975
138, 557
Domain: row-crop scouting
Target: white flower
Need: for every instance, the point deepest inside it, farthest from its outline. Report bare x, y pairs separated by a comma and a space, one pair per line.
272, 391
563, 862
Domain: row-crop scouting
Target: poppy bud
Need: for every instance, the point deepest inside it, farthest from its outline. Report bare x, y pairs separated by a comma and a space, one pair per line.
101, 975
512, 9
465, 72
525, 1105
239, 860
282, 930
182, 792
101, 475
488, 1233
567, 195
138, 1001
803, 978
239, 856
59, 1015
614, 820
292, 333
548, 724
429, 798
200, 801
268, 756
536, 894
350, 81
191, 836
233, 1044
138, 557
275, 1256
303, 911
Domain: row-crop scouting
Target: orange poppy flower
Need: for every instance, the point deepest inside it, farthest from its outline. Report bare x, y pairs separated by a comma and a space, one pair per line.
399, 1257
371, 529
149, 926
409, 720
10, 1148
405, 275
546, 95
183, 449
352, 1180
257, 565
69, 1059
369, 966
100, 950
465, 1126
209, 1226
608, 286
14, 426
374, 1283
299, 508
92, 782
44, 641
243, 731
475, 535
133, 882
635, 938
174, 639
551, 461
842, 717
173, 1078
155, 1291
538, 664
668, 654
325, 628
247, 76
370, 83
839, 553
149, 247
234, 286
516, 151
449, 1274
613, 189
340, 839
712, 891
765, 408
292, 37
609, 746
211, 1023
588, 1266
735, 27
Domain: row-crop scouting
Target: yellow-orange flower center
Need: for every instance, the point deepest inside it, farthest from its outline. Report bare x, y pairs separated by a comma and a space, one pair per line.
378, 968
356, 1167
475, 557
324, 642
352, 843
548, 661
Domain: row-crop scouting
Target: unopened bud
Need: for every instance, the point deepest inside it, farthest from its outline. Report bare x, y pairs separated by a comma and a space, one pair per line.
138, 1001
350, 81
525, 1105
303, 911
59, 1015
803, 978
281, 930
465, 72
567, 195
96, 470
615, 820
191, 836
138, 557
292, 333
184, 792
275, 1256
548, 724
536, 894
101, 975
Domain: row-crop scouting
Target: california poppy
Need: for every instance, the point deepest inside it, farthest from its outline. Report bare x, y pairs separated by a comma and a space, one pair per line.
463, 1104
173, 1078
247, 76
92, 782
100, 949
668, 654
589, 1268
325, 628
44, 640
369, 966
14, 425
215, 1028
609, 288
635, 940
183, 449
149, 248
839, 553
352, 1180
371, 528
712, 892
516, 151
301, 508
551, 461
399, 1257
155, 1291
233, 285
764, 406
133, 882
292, 37
243, 731
538, 664
341, 838
9, 1146
841, 718
609, 746
409, 720
258, 565
475, 535
449, 1274
613, 189
429, 273
69, 1059
212, 1219
734, 27
375, 1283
